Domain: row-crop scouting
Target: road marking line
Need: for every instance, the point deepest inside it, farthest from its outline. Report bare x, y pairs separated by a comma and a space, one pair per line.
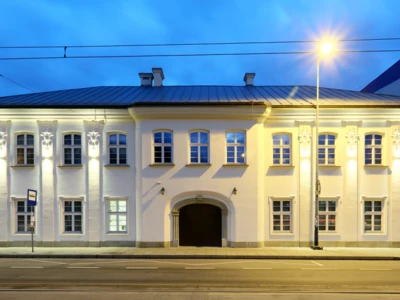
83, 267
141, 268
319, 269
50, 262
29, 267
376, 269
318, 264
199, 268
257, 268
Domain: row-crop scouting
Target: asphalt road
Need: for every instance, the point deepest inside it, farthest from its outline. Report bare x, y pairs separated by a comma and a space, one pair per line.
198, 279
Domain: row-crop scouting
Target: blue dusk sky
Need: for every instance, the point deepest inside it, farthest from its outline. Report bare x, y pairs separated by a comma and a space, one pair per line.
80, 22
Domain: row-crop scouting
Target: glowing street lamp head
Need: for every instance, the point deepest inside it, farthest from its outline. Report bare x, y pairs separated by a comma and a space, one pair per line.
326, 48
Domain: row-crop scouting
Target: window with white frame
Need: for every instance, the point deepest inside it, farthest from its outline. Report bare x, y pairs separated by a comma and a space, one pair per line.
281, 215
72, 149
117, 216
23, 216
117, 148
373, 149
162, 147
281, 149
25, 149
199, 147
73, 216
373, 215
235, 147
327, 215
326, 149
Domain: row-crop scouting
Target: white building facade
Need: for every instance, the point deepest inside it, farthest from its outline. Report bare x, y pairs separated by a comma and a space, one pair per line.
223, 173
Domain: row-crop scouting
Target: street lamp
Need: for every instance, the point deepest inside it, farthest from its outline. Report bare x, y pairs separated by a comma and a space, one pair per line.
325, 48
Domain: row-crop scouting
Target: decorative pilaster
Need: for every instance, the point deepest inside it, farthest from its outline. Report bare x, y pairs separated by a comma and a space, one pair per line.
94, 193
350, 210
175, 222
224, 214
46, 210
394, 208
306, 199
4, 182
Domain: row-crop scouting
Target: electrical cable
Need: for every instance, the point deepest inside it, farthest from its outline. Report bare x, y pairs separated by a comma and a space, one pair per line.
192, 54
17, 83
198, 44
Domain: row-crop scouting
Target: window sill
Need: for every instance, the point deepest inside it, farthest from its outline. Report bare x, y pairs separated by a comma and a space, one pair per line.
162, 165
374, 234
118, 233
72, 234
71, 166
22, 166
329, 166
375, 166
282, 234
195, 165
236, 165
282, 166
323, 233
116, 166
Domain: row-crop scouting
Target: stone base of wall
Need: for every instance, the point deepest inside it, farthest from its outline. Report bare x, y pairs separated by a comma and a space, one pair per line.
153, 244
232, 244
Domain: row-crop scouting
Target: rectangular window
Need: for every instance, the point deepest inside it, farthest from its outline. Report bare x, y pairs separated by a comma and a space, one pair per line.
73, 216
281, 149
162, 147
25, 149
117, 213
281, 216
327, 215
373, 149
373, 216
235, 147
117, 149
326, 149
23, 216
72, 149
199, 145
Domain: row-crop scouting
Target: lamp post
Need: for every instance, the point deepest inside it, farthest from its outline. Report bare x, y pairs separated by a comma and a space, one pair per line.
324, 49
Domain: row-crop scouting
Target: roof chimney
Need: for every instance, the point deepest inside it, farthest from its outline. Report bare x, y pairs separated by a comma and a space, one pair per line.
249, 78
158, 76
146, 79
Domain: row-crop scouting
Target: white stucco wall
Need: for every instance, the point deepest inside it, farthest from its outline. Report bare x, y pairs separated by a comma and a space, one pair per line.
249, 216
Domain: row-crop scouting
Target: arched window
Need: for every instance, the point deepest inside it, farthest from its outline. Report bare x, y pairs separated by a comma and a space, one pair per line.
373, 149
25, 149
281, 152
199, 147
162, 147
117, 149
72, 148
235, 147
326, 149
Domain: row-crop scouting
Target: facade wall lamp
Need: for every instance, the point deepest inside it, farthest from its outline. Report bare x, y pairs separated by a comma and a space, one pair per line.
234, 191
162, 191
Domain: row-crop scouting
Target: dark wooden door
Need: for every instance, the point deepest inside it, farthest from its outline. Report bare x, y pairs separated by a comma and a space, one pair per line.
200, 225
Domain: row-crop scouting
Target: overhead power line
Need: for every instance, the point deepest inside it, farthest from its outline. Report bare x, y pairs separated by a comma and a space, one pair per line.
17, 83
191, 54
197, 44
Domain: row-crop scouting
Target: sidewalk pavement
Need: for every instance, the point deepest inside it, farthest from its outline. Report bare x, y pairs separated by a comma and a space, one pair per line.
329, 253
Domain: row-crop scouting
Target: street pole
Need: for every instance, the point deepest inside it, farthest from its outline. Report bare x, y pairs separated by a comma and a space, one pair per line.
317, 183
32, 226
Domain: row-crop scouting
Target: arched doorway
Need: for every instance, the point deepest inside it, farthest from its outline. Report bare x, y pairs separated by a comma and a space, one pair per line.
200, 225
211, 217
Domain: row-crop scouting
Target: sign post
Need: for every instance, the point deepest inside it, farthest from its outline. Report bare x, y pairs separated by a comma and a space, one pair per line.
32, 200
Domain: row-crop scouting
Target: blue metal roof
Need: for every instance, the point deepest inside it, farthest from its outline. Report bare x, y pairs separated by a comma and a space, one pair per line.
386, 78
126, 96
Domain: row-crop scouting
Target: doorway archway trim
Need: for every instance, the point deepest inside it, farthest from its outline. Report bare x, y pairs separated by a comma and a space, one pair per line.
199, 199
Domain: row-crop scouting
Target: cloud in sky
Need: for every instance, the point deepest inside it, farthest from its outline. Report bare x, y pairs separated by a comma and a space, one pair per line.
56, 22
